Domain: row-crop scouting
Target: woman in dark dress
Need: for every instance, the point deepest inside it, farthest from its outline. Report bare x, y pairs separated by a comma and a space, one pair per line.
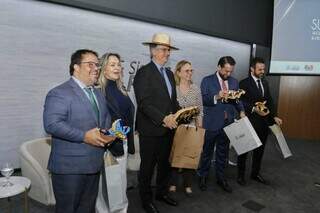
120, 107
118, 101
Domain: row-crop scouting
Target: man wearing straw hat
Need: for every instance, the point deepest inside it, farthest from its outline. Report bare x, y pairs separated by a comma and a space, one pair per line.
155, 93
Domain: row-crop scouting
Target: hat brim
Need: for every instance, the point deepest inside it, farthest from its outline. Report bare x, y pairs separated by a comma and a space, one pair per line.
158, 43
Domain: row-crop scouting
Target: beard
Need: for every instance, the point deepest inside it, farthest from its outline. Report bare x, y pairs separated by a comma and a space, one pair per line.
260, 76
223, 77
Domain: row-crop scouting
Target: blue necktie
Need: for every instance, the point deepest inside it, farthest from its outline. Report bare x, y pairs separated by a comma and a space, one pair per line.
162, 70
89, 91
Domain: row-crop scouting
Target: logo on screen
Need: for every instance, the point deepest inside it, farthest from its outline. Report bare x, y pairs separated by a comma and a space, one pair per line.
134, 66
293, 67
308, 67
315, 24
315, 27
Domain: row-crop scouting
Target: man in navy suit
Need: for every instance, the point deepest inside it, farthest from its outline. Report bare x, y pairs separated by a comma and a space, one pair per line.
155, 92
257, 90
73, 112
217, 115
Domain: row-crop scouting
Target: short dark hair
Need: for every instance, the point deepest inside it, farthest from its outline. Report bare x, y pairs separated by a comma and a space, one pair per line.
226, 60
76, 58
255, 61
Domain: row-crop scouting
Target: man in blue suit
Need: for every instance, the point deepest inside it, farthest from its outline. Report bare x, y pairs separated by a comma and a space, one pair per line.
217, 115
73, 112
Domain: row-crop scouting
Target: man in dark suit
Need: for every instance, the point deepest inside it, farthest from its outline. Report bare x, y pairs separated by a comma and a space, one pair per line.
156, 98
73, 112
217, 115
257, 90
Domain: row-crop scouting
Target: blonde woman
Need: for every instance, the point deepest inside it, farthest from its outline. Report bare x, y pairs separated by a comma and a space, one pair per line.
118, 101
188, 94
120, 107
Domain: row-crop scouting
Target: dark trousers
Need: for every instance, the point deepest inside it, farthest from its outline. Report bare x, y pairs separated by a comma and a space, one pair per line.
75, 193
262, 132
154, 151
187, 175
212, 139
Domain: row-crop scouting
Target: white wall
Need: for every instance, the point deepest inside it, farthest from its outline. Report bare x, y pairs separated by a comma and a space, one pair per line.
38, 38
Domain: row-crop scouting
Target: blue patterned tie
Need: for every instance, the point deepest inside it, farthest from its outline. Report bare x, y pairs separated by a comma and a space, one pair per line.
162, 70
89, 91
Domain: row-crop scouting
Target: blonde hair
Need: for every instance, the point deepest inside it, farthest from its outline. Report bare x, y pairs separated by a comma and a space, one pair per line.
102, 81
179, 65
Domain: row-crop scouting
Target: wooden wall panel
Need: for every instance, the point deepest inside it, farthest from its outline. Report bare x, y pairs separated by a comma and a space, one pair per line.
298, 106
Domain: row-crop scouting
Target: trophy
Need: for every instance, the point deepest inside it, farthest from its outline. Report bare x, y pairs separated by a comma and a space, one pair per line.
233, 95
261, 107
186, 115
119, 131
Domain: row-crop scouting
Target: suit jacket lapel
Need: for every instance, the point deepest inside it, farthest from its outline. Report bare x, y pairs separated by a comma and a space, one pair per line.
83, 97
216, 80
264, 84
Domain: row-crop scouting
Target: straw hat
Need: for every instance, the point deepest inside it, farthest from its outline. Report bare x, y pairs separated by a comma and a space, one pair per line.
161, 39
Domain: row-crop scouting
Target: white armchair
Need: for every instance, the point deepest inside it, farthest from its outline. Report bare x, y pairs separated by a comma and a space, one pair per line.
34, 157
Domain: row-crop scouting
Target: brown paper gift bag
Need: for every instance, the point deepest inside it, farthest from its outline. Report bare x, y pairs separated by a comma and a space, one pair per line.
187, 147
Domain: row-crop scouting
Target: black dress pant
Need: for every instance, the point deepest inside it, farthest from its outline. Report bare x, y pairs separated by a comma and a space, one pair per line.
154, 152
262, 131
75, 193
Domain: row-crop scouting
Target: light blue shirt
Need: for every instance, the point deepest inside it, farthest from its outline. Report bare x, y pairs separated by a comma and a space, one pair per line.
169, 87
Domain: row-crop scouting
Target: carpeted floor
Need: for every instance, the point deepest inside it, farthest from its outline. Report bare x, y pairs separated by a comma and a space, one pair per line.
292, 189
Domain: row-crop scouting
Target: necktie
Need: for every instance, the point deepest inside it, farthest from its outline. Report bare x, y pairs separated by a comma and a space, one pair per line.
224, 86
260, 87
89, 91
162, 70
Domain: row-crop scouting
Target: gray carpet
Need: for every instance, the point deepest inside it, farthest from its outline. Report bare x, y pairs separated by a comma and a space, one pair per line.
292, 188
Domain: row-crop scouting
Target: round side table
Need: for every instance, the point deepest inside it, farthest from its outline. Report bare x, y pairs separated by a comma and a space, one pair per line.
20, 184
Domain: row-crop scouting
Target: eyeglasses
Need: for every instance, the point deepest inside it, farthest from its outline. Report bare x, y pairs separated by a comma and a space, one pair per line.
91, 64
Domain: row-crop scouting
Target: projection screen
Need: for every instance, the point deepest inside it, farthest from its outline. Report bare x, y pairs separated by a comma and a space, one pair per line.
296, 37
